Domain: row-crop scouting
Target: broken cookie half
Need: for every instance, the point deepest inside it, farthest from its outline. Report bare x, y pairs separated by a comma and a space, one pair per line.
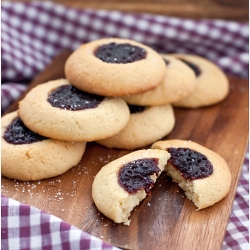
203, 174
121, 184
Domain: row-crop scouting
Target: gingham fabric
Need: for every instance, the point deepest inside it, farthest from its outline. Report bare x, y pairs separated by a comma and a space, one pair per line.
34, 33
26, 227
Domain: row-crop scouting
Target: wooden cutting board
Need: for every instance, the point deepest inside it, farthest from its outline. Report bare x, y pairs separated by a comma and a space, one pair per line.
166, 219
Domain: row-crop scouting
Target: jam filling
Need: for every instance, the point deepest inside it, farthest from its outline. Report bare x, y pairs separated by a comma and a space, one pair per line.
70, 98
17, 133
166, 61
120, 53
135, 175
191, 164
136, 109
194, 67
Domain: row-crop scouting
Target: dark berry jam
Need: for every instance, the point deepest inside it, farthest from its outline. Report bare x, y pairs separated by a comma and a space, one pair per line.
166, 61
191, 164
17, 133
70, 98
194, 67
135, 175
136, 109
120, 53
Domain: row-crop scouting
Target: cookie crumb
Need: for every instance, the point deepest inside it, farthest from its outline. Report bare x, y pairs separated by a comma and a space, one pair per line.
127, 223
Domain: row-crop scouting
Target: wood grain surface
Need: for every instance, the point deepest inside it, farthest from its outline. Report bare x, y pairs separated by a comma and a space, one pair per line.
215, 9
166, 219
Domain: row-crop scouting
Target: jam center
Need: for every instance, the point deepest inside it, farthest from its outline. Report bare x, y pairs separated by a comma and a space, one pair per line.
191, 164
193, 66
136, 109
166, 61
135, 175
17, 133
120, 53
70, 98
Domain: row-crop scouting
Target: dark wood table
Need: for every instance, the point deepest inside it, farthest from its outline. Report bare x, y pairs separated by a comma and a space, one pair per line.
215, 9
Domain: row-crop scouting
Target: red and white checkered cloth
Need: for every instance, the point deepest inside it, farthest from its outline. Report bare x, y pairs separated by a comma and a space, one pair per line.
34, 33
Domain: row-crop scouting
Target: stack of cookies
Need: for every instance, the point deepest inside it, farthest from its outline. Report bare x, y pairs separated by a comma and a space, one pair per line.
150, 84
124, 68
120, 94
117, 92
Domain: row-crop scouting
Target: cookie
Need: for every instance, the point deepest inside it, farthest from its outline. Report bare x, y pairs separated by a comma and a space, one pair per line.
178, 83
201, 173
28, 156
212, 85
146, 125
115, 67
123, 183
58, 110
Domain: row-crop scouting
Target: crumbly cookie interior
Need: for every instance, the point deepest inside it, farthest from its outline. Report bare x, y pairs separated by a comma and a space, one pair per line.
186, 186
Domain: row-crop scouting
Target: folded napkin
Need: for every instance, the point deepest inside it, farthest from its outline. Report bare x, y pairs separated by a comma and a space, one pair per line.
34, 33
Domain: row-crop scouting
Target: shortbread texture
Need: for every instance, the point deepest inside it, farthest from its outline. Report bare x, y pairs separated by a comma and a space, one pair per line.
87, 72
107, 119
212, 85
38, 160
110, 198
143, 128
178, 83
206, 191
